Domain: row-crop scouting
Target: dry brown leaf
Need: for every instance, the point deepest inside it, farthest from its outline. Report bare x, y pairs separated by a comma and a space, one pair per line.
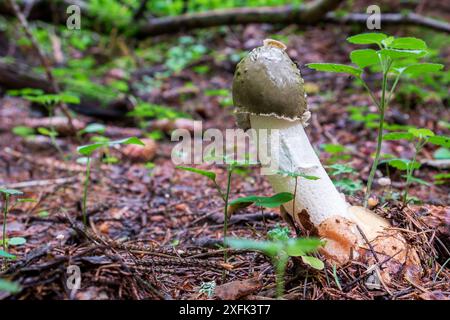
141, 153
237, 289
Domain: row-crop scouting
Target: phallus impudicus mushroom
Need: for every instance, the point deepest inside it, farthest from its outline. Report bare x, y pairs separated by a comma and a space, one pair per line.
268, 93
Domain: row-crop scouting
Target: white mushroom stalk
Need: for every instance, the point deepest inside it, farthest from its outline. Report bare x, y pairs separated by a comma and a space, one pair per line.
295, 154
269, 97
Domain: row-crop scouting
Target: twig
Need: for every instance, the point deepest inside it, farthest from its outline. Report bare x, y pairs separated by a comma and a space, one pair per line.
368, 270
391, 18
40, 183
368, 243
50, 162
114, 256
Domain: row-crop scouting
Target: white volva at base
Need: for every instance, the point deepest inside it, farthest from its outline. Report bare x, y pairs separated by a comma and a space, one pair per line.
294, 153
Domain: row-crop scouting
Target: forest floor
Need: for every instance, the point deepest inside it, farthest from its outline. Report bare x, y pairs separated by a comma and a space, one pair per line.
155, 233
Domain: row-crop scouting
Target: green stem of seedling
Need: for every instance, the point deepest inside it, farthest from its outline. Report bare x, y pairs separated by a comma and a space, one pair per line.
5, 213
53, 131
336, 278
295, 194
225, 217
409, 173
280, 268
370, 93
380, 135
85, 191
219, 190
410, 170
391, 92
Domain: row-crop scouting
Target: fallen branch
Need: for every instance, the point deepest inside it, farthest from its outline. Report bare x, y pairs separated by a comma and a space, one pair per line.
282, 15
309, 13
391, 19
18, 76
46, 162
40, 183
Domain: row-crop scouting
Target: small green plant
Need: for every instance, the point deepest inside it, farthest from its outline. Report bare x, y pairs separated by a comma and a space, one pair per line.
7, 193
262, 202
395, 58
225, 196
23, 131
107, 157
144, 110
92, 128
52, 134
297, 175
419, 137
8, 286
223, 96
259, 201
231, 165
341, 174
337, 151
442, 154
6, 255
87, 151
441, 178
49, 101
183, 54
208, 288
346, 181
279, 248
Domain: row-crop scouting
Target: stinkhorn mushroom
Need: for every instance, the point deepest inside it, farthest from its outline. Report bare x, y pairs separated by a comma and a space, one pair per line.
268, 94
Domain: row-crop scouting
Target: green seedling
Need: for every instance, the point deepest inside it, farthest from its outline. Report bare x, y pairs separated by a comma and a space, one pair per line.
6, 255
262, 202
52, 134
208, 288
341, 174
24, 132
49, 101
442, 154
441, 178
337, 151
297, 175
267, 202
8, 286
223, 96
225, 196
279, 248
143, 111
7, 193
231, 165
346, 183
395, 58
87, 152
107, 157
92, 128
419, 138
183, 54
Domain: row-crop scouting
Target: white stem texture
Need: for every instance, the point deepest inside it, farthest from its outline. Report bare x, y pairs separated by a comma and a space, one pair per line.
294, 153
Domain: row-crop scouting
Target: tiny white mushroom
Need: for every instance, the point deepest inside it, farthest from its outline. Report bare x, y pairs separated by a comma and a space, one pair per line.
384, 181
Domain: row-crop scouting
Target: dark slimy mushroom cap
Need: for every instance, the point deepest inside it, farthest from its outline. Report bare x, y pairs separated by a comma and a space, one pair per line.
267, 82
